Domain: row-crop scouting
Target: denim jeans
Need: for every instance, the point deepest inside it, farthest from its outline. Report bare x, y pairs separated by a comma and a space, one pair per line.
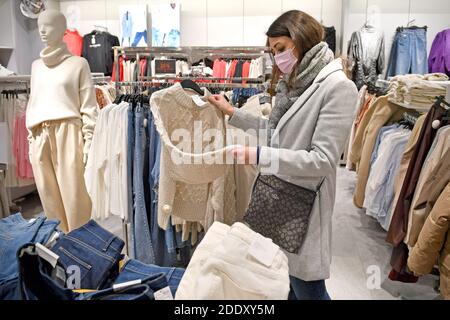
35, 278
130, 160
10, 290
308, 290
143, 247
143, 291
138, 37
408, 53
37, 283
94, 250
134, 270
15, 231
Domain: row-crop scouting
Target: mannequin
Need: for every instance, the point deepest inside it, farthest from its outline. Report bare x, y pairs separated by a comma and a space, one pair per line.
61, 116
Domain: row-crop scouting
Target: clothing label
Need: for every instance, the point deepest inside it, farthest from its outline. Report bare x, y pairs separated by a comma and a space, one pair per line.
120, 286
198, 101
47, 255
263, 250
61, 274
93, 40
31, 220
163, 294
53, 238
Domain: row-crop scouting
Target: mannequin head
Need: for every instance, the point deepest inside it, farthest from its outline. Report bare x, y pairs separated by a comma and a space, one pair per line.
52, 26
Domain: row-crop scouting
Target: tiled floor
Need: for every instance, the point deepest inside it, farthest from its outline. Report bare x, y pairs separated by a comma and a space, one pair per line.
360, 254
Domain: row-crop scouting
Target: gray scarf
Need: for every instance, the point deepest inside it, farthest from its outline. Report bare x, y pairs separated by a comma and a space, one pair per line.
310, 66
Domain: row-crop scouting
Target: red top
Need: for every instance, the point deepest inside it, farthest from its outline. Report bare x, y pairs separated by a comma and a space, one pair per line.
74, 42
113, 76
246, 70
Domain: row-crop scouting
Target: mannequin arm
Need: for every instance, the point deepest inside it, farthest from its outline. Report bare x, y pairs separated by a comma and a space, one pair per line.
88, 108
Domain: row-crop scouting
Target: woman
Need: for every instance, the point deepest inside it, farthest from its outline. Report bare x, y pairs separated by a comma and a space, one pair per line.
308, 126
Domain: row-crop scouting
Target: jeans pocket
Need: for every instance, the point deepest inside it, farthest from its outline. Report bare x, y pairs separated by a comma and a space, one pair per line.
69, 259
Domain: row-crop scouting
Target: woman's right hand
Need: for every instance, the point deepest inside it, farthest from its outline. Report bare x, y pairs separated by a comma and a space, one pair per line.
221, 103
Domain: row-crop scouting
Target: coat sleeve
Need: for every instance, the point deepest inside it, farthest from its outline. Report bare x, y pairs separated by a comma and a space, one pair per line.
330, 134
248, 122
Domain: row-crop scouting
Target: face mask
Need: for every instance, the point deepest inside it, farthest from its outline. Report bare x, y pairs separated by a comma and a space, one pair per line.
286, 61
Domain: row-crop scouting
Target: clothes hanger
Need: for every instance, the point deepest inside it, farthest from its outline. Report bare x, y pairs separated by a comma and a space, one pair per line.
189, 84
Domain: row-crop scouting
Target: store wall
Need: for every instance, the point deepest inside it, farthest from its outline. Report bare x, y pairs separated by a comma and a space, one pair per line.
19, 37
209, 22
388, 15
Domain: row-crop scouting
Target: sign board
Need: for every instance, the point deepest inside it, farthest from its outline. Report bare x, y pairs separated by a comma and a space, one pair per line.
166, 66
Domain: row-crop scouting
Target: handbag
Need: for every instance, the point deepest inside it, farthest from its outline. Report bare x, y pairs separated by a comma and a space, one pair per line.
280, 210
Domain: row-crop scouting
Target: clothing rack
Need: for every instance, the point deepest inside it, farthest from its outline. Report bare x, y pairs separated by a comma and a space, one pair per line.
192, 54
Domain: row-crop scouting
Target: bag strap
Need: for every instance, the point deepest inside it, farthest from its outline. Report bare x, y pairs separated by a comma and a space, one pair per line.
320, 184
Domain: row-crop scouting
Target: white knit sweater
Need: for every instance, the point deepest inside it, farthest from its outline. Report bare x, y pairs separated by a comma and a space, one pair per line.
195, 192
61, 88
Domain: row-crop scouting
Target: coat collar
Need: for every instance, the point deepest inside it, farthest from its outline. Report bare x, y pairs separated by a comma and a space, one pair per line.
332, 67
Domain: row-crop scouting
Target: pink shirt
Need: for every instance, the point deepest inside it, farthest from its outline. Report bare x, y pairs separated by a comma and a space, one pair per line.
20, 148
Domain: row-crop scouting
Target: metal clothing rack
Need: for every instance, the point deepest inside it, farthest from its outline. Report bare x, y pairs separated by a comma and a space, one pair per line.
192, 54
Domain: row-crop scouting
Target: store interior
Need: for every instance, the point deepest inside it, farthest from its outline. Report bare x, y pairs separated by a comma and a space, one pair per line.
392, 185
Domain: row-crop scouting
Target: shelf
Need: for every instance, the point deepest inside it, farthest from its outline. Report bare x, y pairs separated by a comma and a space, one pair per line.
6, 48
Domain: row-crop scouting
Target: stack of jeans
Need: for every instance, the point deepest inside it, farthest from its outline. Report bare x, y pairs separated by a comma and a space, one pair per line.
409, 52
15, 231
37, 282
89, 259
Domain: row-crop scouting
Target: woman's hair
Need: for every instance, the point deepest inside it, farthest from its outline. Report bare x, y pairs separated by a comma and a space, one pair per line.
305, 32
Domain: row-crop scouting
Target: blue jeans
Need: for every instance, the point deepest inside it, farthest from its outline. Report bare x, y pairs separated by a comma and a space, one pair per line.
408, 53
35, 280
143, 247
37, 283
134, 270
143, 291
15, 231
138, 37
130, 159
94, 250
308, 290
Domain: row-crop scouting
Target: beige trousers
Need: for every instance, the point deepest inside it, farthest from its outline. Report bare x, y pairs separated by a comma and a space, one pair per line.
56, 155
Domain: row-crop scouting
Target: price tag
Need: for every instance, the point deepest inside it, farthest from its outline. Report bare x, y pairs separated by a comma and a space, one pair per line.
124, 285
263, 250
163, 294
198, 101
47, 255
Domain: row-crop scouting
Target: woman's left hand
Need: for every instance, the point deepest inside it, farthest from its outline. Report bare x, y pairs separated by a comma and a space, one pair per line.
245, 155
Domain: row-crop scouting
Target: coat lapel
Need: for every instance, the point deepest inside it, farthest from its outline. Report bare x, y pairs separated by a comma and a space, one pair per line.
323, 74
296, 106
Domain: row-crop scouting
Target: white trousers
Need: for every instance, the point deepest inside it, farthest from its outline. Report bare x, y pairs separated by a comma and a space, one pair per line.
56, 155
224, 268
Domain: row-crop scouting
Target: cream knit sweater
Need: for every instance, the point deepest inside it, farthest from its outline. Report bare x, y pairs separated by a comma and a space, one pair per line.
196, 190
61, 88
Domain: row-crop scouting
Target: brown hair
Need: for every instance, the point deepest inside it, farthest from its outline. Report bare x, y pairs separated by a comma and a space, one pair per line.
305, 32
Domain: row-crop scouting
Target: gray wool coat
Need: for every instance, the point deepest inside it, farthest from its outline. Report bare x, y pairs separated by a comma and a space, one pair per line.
305, 148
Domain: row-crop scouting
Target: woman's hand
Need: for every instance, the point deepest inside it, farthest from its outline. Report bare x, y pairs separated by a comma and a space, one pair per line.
245, 155
221, 103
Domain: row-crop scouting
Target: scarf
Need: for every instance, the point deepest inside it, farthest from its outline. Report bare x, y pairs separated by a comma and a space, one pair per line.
310, 66
52, 56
